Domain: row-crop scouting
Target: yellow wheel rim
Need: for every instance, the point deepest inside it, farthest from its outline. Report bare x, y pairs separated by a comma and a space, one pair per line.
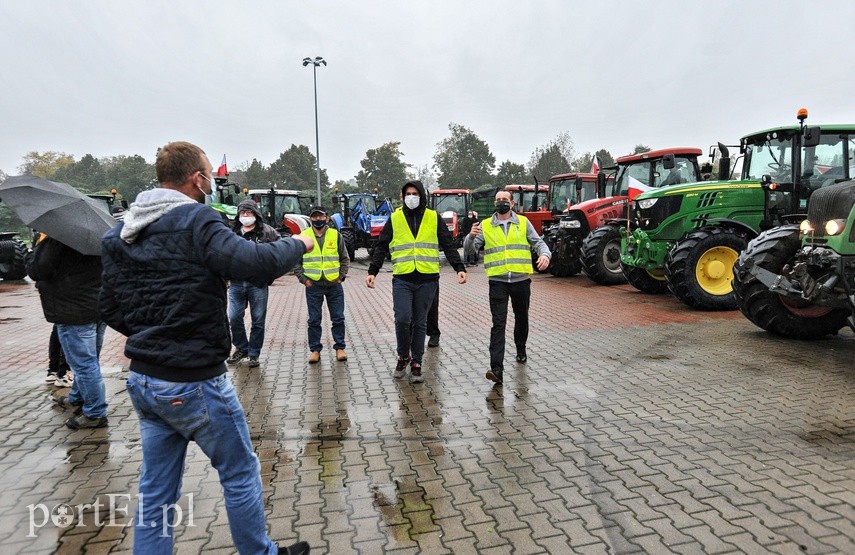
714, 270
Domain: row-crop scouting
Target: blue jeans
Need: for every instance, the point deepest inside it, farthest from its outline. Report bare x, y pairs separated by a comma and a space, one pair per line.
81, 344
241, 293
171, 414
335, 305
411, 302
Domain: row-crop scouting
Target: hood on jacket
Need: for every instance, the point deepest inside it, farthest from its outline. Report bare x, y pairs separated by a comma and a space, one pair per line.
422, 195
149, 207
252, 206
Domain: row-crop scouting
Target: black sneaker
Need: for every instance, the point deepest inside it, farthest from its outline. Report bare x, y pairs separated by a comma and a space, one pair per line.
400, 367
299, 548
495, 376
236, 357
521, 356
416, 373
253, 362
433, 341
83, 421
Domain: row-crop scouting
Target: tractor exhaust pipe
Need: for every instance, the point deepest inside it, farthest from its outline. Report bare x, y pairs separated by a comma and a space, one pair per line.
724, 163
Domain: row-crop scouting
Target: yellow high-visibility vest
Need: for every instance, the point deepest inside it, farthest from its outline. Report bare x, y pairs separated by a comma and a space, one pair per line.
506, 253
323, 261
414, 253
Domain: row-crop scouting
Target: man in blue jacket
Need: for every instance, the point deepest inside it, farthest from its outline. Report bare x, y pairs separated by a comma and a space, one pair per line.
164, 287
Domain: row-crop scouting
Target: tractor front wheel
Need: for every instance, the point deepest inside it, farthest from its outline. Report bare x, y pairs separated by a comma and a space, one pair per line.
349, 242
601, 255
647, 281
699, 268
773, 250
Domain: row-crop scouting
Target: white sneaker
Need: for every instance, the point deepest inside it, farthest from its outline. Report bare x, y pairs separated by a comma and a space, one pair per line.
65, 381
50, 378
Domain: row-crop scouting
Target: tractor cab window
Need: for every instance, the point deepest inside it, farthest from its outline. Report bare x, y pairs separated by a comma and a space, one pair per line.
368, 203
826, 163
450, 203
639, 172
588, 191
682, 172
563, 194
769, 157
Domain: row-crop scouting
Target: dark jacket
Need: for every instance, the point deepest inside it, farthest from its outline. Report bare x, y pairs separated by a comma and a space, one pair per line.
166, 290
68, 283
261, 233
414, 220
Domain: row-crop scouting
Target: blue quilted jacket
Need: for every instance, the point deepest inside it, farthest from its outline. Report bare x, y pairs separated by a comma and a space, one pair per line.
166, 291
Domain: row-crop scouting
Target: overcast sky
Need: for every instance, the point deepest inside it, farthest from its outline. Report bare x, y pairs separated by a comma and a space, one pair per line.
121, 78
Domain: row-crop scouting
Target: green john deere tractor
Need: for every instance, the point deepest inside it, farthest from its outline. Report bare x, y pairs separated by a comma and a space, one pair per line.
687, 238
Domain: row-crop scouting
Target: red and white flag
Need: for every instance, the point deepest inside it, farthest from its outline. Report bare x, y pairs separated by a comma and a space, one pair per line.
636, 187
595, 165
223, 170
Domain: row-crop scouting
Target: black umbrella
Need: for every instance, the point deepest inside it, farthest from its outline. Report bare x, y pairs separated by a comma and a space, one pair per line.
58, 210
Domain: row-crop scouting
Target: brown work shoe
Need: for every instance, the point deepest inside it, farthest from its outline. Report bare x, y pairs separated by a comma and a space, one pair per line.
315, 357
340, 354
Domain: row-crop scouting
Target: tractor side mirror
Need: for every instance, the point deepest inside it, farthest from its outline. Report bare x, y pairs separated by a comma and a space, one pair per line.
668, 161
601, 185
810, 136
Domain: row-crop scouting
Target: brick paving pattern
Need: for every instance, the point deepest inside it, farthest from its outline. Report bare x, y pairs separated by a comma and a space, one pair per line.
638, 426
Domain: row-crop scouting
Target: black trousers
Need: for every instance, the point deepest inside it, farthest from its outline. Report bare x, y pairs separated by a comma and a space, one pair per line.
433, 315
520, 295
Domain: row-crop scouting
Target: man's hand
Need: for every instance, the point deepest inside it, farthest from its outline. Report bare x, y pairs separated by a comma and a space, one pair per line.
308, 283
461, 277
542, 262
476, 229
308, 241
369, 281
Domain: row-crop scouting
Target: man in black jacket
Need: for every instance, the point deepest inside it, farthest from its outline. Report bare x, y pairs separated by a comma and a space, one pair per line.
250, 225
68, 284
413, 235
164, 287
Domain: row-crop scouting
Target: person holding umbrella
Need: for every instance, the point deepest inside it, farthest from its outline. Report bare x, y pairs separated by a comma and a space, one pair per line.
69, 282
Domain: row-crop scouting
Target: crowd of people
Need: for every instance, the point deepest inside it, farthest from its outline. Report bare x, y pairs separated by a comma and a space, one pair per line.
176, 282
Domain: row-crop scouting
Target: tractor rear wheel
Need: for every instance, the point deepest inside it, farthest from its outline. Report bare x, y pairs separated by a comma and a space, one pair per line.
601, 255
699, 268
772, 251
13, 259
647, 281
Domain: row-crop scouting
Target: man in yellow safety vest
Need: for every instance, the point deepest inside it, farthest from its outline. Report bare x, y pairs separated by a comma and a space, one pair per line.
508, 239
322, 271
413, 236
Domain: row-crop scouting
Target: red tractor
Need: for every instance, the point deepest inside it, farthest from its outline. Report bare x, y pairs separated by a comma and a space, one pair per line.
533, 203
284, 210
454, 206
587, 237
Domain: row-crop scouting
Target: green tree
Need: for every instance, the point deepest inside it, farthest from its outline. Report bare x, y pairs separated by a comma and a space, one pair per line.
383, 169
87, 175
583, 163
463, 160
295, 169
640, 149
423, 174
44, 164
552, 158
130, 175
256, 176
511, 172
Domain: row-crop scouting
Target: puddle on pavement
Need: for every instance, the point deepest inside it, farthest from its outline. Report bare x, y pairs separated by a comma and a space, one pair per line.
398, 500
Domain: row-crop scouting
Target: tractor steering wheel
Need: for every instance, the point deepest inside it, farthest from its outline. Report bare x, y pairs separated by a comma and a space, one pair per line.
780, 168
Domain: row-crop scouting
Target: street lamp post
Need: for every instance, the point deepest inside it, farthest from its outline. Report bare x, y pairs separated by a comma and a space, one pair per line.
315, 63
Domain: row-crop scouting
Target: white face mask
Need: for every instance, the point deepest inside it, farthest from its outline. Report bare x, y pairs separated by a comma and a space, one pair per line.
247, 220
412, 201
209, 197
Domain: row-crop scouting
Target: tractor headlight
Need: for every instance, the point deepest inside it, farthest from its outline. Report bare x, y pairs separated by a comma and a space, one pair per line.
647, 203
834, 227
805, 227
570, 224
